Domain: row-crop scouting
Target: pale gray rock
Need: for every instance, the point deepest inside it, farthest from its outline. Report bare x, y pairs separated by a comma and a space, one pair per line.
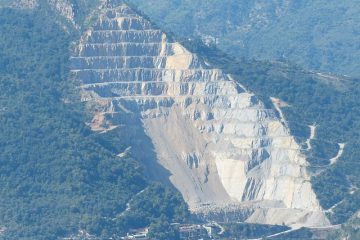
192, 125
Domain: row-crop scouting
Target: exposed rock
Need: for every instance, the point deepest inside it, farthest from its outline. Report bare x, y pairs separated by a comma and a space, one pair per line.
312, 136
192, 124
64, 8
339, 154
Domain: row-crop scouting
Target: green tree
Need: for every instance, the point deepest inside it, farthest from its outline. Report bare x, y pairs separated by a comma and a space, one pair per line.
162, 230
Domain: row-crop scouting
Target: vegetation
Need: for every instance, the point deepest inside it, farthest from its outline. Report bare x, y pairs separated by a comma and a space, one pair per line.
245, 230
57, 177
81, 8
163, 204
332, 103
317, 35
350, 230
162, 230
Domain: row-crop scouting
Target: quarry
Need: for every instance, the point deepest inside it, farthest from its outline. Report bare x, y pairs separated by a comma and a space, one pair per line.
193, 126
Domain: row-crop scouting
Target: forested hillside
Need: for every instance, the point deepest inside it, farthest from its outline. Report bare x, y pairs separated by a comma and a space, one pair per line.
56, 176
318, 35
331, 104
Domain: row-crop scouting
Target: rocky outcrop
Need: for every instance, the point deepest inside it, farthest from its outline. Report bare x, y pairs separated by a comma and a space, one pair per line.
64, 7
191, 124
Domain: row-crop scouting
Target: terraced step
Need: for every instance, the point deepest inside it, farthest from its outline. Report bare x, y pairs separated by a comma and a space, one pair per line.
216, 142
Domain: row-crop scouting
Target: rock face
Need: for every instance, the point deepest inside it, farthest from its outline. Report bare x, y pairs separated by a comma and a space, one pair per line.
64, 8
192, 125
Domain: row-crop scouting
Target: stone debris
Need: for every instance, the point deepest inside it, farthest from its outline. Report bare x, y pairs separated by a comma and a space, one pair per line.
192, 125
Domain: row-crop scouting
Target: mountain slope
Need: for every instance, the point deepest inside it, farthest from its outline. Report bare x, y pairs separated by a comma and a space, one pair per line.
329, 102
323, 102
318, 35
57, 177
234, 151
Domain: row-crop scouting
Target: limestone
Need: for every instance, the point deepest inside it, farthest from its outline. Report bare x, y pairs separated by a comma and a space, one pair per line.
192, 125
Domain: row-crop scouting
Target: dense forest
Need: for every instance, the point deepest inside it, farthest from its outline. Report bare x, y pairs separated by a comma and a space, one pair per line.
57, 176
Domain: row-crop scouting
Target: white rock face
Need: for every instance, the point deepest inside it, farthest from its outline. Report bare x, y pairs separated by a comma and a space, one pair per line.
191, 124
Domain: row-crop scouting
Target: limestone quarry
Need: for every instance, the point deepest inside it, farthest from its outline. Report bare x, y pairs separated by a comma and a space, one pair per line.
191, 125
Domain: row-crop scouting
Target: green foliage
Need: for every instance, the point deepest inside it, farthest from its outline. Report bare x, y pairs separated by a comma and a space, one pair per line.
315, 34
245, 230
80, 8
350, 230
56, 175
331, 103
162, 230
346, 208
336, 192
164, 204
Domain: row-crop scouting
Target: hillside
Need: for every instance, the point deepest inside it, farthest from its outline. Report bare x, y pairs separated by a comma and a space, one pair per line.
57, 177
318, 35
311, 99
327, 101
234, 153
65, 169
